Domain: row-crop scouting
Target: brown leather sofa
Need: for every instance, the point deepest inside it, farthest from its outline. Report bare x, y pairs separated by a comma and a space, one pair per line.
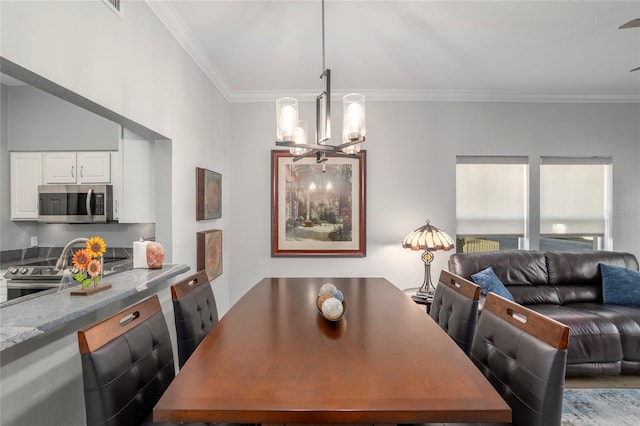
567, 286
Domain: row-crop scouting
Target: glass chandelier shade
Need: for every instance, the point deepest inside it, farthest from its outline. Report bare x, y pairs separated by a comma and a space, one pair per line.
354, 126
287, 119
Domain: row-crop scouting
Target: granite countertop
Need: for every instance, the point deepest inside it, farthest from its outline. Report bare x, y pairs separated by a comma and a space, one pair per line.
22, 321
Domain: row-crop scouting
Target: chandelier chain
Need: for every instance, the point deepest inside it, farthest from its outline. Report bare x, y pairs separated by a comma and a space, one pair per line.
323, 65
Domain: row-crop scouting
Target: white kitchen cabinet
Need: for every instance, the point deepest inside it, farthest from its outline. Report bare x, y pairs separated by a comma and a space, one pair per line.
94, 167
133, 171
26, 175
59, 167
76, 167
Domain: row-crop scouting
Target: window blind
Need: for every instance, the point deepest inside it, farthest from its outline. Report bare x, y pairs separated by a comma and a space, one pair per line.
575, 196
491, 196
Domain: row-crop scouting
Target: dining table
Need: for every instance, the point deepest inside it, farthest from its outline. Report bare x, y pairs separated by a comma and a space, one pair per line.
274, 359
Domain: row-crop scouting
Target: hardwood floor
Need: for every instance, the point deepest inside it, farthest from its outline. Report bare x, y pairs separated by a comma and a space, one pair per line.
623, 381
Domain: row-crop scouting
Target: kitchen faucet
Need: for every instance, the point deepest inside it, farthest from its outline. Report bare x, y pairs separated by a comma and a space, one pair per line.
62, 260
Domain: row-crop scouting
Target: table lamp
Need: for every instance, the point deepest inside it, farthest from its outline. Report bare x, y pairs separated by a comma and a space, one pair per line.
427, 238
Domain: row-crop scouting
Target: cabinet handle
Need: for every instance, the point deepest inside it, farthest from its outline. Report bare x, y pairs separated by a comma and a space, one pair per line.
116, 206
82, 171
72, 172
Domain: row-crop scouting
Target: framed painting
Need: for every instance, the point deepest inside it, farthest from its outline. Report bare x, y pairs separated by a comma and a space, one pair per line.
208, 194
318, 209
210, 252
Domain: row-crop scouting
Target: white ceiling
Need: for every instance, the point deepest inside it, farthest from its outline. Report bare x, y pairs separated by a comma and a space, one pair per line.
405, 50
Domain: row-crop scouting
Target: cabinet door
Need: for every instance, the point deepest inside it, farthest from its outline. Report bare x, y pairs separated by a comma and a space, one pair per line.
134, 185
59, 167
116, 182
94, 167
26, 175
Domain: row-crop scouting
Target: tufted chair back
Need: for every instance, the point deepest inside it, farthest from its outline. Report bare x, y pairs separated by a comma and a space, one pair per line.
127, 364
195, 312
455, 308
524, 356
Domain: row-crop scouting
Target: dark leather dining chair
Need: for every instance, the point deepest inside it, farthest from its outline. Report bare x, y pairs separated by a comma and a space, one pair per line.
194, 307
524, 356
127, 364
455, 308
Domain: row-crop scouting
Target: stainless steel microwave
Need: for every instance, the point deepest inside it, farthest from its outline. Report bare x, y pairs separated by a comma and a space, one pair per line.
75, 203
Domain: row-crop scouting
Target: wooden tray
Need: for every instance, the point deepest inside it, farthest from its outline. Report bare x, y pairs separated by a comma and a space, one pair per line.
90, 290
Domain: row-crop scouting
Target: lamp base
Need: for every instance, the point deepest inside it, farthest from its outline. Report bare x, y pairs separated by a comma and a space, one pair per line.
417, 296
422, 299
427, 288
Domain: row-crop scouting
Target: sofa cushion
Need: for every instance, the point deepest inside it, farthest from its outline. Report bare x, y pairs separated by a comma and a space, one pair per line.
513, 267
534, 294
627, 321
592, 338
524, 273
489, 282
620, 286
576, 275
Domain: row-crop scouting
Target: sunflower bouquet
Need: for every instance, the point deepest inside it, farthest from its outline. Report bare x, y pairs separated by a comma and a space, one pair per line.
88, 261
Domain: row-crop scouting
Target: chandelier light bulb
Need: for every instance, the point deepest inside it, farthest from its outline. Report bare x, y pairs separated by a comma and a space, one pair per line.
287, 119
301, 138
353, 115
354, 112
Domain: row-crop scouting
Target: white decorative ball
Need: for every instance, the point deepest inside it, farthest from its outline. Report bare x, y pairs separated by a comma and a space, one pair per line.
332, 308
327, 287
337, 294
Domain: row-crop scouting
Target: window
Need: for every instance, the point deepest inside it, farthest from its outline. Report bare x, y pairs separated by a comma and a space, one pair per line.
493, 211
491, 203
575, 203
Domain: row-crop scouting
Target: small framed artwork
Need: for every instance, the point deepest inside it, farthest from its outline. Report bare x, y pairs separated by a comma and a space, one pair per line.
318, 209
210, 252
208, 194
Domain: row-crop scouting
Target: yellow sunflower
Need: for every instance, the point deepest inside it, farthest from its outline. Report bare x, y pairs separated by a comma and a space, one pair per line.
96, 246
81, 259
94, 268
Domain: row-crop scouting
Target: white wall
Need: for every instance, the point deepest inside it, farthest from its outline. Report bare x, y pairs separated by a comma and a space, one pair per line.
13, 235
132, 66
40, 121
411, 150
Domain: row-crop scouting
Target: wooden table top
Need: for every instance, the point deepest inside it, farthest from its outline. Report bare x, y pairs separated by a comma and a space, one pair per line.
274, 359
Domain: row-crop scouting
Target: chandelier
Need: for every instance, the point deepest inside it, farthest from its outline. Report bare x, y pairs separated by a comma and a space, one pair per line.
292, 132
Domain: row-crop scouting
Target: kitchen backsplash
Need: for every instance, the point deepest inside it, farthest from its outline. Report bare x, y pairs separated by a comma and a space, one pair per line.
17, 255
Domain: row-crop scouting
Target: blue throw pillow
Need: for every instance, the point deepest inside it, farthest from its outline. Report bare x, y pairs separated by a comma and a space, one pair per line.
489, 282
620, 286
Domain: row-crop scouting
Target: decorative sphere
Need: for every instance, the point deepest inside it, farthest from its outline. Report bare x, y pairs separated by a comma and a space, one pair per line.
337, 294
332, 308
321, 298
326, 287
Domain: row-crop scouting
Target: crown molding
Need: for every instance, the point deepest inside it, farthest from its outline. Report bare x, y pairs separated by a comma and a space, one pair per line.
171, 19
445, 96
